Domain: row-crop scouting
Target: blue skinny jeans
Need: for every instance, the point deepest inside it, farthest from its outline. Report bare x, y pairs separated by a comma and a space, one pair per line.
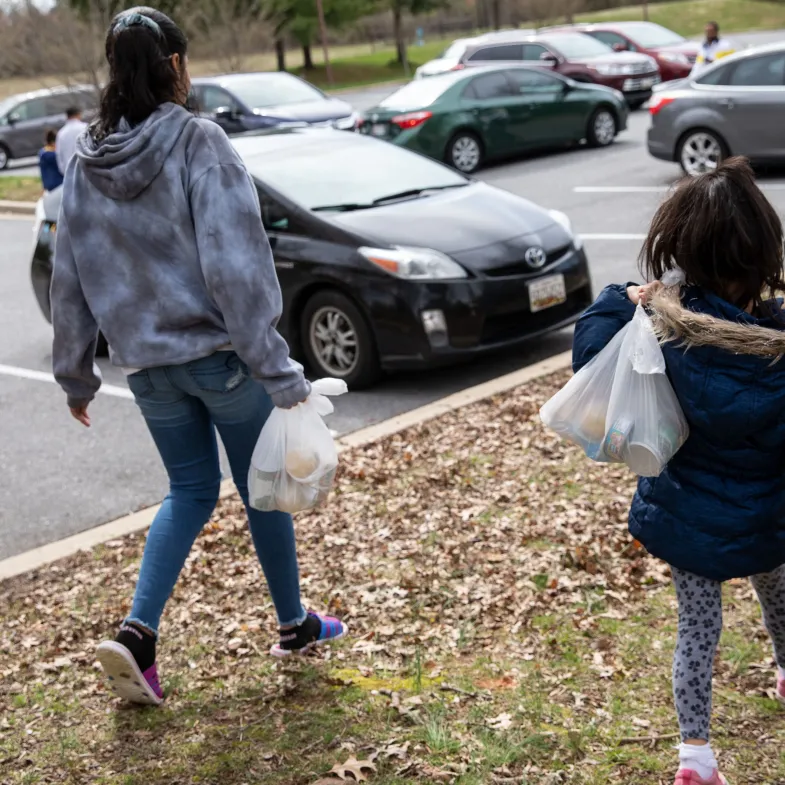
183, 406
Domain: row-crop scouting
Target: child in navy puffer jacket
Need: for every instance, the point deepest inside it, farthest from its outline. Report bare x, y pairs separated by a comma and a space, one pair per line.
718, 510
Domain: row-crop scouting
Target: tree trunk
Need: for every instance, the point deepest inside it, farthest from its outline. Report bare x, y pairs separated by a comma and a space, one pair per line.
400, 40
307, 58
645, 10
280, 54
496, 10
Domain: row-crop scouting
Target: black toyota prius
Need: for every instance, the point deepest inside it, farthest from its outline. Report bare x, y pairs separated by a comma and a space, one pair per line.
389, 260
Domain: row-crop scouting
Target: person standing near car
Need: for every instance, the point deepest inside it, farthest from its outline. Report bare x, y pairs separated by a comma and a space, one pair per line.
713, 48
65, 143
179, 277
51, 178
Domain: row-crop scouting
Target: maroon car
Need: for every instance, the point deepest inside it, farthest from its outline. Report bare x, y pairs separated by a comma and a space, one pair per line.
577, 56
674, 54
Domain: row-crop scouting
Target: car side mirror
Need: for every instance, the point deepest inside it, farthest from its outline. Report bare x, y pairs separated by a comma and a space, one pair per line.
13, 118
226, 113
550, 59
620, 47
274, 217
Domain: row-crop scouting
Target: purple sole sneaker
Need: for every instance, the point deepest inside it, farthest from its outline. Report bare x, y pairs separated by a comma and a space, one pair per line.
124, 677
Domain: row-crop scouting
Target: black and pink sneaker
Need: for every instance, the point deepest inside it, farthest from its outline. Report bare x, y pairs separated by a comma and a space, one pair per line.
129, 665
314, 631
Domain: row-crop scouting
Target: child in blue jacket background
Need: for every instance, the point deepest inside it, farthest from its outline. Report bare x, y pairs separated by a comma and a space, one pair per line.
718, 509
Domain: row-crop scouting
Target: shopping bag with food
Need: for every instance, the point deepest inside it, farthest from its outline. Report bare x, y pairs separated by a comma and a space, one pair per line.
621, 407
293, 465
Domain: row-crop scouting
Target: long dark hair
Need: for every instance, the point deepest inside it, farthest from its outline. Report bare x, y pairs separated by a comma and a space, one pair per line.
723, 233
139, 48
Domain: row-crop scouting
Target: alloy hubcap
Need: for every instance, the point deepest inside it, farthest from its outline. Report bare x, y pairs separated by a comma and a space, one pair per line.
466, 153
701, 153
334, 341
604, 128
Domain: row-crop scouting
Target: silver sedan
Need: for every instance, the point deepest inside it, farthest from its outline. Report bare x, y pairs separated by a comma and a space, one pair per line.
734, 107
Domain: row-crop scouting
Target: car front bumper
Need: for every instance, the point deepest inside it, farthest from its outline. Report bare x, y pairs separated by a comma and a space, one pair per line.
634, 88
481, 315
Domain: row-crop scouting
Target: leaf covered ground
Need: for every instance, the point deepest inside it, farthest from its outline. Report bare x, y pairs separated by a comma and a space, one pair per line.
504, 629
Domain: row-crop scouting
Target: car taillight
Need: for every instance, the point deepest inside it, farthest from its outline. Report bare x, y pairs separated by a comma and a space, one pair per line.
458, 67
411, 120
658, 103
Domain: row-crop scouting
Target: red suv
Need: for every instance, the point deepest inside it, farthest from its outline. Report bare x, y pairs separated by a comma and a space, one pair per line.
577, 56
674, 55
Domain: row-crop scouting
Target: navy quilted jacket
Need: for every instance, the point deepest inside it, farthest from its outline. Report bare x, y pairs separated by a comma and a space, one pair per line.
718, 509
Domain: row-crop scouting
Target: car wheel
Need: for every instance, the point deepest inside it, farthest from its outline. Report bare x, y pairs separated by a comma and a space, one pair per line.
337, 340
5, 157
602, 128
465, 152
700, 151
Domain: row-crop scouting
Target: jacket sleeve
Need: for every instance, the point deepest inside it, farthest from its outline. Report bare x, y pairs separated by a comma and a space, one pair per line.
611, 311
75, 328
239, 272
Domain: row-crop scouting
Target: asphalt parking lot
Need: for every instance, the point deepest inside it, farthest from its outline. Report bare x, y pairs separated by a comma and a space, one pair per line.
60, 478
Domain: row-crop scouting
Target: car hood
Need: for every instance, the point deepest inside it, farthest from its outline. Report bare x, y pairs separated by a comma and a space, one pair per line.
454, 222
625, 58
308, 111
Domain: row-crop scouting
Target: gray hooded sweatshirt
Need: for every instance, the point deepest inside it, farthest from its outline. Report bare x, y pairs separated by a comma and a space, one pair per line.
160, 246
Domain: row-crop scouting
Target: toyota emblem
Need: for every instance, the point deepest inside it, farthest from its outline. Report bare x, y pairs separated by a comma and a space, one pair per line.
535, 257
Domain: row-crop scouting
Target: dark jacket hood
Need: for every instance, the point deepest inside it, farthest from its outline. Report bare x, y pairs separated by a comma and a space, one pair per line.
124, 163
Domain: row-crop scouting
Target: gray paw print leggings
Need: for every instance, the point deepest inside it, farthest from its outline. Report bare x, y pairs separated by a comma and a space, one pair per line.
700, 625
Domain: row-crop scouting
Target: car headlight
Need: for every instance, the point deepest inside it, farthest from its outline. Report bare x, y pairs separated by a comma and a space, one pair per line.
414, 264
566, 224
620, 96
611, 69
347, 123
674, 57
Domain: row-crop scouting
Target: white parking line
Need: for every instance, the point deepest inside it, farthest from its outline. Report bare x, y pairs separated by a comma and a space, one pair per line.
40, 376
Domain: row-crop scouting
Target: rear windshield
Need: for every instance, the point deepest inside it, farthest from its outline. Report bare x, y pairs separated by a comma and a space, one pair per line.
422, 92
339, 168
576, 45
651, 35
454, 50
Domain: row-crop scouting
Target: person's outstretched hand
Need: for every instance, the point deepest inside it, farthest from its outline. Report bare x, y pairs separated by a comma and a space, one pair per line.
640, 295
80, 413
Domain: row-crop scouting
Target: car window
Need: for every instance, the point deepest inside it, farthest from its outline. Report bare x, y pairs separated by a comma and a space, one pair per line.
532, 81
272, 89
534, 52
649, 34
213, 98
496, 53
490, 86
609, 38
34, 109
716, 76
767, 71
332, 168
60, 103
419, 93
577, 45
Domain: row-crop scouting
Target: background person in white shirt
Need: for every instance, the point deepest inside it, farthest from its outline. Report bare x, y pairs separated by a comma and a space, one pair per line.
713, 48
65, 144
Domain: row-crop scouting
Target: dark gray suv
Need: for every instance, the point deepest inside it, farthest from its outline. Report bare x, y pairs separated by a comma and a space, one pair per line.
25, 118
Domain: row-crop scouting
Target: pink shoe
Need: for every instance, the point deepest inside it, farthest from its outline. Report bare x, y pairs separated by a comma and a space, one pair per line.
690, 777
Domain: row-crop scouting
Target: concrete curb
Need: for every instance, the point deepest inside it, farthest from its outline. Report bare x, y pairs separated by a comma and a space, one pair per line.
138, 521
17, 208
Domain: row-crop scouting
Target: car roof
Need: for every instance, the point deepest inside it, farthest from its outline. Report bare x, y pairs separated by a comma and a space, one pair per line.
47, 91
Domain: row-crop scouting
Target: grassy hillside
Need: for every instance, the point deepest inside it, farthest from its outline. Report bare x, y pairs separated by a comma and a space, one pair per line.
689, 16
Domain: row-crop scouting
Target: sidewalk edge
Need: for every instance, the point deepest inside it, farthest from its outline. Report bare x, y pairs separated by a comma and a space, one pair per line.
17, 208
129, 524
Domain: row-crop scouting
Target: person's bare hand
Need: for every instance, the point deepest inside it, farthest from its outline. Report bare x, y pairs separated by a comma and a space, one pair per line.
634, 294
641, 295
80, 413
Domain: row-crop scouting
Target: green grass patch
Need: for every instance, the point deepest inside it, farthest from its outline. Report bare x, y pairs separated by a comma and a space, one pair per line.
20, 189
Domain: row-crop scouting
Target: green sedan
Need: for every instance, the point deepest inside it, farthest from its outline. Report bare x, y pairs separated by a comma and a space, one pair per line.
476, 115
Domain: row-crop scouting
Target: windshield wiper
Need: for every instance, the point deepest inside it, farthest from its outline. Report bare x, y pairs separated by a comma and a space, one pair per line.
341, 208
413, 192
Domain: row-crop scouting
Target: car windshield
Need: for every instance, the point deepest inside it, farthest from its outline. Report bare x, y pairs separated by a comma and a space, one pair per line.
333, 169
7, 105
651, 35
258, 92
577, 45
422, 92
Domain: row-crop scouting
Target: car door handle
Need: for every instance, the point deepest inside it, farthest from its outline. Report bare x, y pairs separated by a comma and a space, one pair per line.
727, 103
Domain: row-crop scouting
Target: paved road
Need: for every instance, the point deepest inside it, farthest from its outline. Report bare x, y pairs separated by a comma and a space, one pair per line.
60, 479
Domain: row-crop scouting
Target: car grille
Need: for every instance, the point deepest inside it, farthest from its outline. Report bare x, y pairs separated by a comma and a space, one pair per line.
641, 68
631, 85
692, 58
522, 268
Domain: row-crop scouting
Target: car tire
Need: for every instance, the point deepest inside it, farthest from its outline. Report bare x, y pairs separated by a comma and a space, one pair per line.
700, 151
465, 152
5, 157
330, 322
635, 105
602, 128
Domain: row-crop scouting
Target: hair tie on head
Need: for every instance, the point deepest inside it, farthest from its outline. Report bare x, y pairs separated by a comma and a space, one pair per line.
133, 19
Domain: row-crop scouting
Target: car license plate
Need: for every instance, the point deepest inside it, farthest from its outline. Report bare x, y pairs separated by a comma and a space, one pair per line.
547, 292
378, 129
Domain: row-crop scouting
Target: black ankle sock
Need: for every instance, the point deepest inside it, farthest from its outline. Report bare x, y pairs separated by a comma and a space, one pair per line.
140, 643
300, 636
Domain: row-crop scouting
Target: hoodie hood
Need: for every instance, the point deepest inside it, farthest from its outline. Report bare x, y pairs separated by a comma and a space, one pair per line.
733, 330
124, 163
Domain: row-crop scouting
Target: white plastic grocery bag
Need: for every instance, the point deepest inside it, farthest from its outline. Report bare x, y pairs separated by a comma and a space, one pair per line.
621, 407
293, 465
